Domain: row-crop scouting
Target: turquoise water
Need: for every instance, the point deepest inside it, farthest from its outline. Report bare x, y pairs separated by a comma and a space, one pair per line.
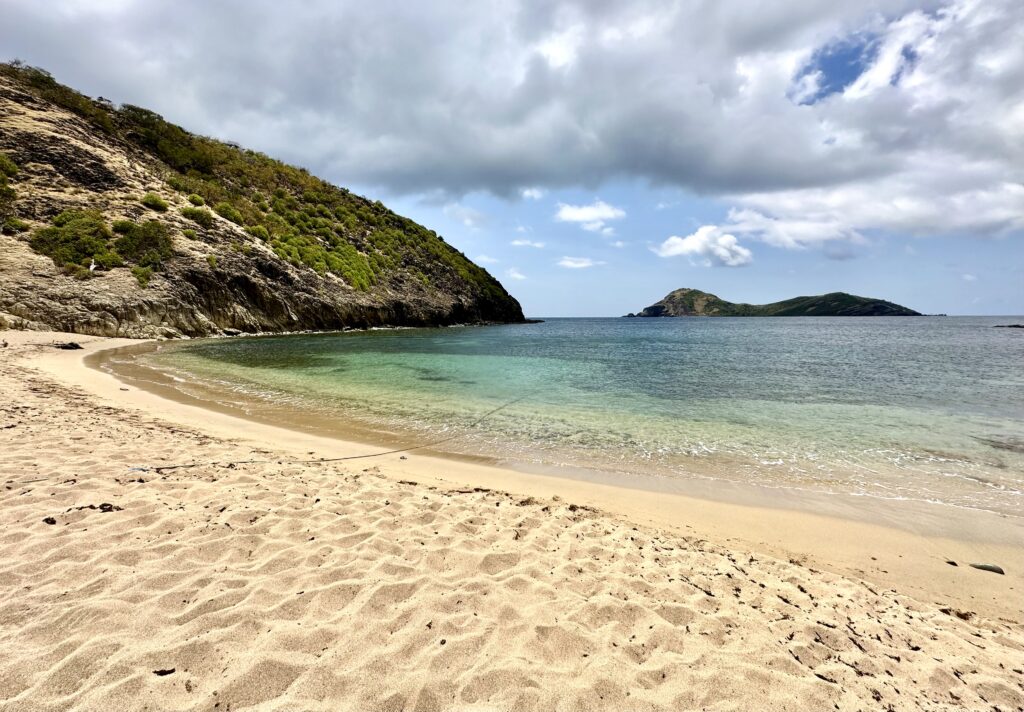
899, 408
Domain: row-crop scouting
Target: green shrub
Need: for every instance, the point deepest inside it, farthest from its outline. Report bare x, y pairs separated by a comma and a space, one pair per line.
143, 275
178, 182
258, 231
212, 261
8, 167
228, 212
123, 226
13, 226
190, 234
196, 200
75, 239
172, 144
148, 244
7, 194
154, 202
200, 216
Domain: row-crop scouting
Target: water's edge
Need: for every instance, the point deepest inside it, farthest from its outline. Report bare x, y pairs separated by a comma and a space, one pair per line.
926, 518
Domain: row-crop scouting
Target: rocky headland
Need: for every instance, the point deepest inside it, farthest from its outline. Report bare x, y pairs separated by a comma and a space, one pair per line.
116, 222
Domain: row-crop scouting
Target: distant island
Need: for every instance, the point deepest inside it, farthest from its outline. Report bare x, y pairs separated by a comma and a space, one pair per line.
693, 302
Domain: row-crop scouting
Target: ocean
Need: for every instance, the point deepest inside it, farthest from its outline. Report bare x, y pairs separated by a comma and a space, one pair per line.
926, 409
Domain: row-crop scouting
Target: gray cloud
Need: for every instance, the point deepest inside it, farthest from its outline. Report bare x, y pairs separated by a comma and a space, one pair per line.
451, 97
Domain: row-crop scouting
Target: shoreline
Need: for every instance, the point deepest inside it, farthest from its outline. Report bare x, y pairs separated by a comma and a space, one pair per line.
904, 545
913, 515
265, 577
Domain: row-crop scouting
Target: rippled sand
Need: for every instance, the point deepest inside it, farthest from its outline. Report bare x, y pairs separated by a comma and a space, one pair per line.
334, 586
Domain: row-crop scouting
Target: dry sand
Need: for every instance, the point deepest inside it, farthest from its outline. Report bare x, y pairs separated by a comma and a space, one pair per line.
425, 584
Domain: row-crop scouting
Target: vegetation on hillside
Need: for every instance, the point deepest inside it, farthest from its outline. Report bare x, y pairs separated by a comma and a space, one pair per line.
75, 240
154, 202
8, 169
46, 87
13, 226
79, 239
304, 220
146, 244
200, 216
833, 304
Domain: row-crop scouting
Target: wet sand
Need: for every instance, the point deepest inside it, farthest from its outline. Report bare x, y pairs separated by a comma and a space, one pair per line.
272, 580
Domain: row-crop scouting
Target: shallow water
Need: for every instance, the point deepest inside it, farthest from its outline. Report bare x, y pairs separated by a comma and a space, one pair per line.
928, 409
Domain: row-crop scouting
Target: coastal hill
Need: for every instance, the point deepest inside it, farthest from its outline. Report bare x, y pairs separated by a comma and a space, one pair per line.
693, 302
116, 222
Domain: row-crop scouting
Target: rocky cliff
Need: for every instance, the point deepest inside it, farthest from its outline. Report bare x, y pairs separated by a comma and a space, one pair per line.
118, 223
693, 302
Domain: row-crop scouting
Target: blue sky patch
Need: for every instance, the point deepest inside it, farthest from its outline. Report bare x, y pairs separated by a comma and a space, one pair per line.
839, 63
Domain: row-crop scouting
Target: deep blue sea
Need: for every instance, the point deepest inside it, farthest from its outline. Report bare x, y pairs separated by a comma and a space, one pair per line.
928, 408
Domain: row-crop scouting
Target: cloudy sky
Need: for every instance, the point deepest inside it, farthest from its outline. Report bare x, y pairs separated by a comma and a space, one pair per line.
594, 155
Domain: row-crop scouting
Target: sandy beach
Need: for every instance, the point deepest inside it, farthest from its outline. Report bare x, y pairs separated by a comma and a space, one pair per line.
258, 577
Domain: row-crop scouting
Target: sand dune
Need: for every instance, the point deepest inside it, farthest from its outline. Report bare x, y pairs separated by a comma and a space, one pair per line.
331, 586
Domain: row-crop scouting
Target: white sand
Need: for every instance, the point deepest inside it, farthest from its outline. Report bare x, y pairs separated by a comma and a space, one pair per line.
391, 584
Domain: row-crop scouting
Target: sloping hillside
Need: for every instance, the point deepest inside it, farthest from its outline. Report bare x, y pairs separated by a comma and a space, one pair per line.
116, 222
693, 302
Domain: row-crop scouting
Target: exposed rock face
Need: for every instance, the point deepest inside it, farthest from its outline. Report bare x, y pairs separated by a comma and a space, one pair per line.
693, 302
223, 279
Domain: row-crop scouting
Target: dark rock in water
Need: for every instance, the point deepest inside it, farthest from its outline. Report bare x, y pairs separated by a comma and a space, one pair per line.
1008, 326
69, 346
231, 332
1011, 444
990, 567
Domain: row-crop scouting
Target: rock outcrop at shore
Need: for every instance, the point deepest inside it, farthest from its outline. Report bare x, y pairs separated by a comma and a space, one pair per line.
118, 223
693, 302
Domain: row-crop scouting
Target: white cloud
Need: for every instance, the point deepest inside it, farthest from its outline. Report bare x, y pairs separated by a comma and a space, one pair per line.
927, 138
598, 211
532, 193
619, 243
513, 273
591, 217
485, 260
527, 243
560, 48
970, 277
467, 216
709, 242
790, 232
578, 262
